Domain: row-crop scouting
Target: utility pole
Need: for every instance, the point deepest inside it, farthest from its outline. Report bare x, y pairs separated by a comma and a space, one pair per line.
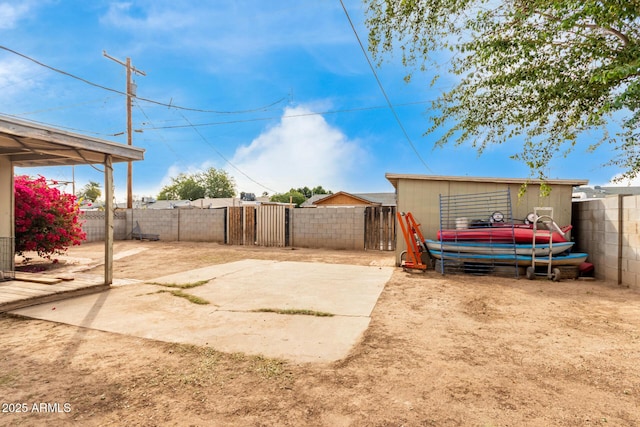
130, 92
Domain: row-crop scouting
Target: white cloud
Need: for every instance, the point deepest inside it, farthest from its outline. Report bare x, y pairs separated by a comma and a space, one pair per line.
301, 150
10, 14
151, 17
298, 151
14, 77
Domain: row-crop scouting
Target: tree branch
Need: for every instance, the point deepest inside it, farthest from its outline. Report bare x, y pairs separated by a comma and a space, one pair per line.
622, 37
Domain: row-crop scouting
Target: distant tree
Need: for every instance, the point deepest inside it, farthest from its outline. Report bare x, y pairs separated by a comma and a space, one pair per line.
248, 197
265, 194
217, 183
182, 187
210, 183
308, 192
91, 191
296, 197
320, 190
46, 220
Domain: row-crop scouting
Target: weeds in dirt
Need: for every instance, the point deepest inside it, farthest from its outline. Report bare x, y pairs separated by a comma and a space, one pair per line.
178, 293
293, 311
182, 285
191, 298
267, 367
238, 356
209, 366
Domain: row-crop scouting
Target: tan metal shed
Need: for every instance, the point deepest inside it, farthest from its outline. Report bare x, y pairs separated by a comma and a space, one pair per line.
420, 195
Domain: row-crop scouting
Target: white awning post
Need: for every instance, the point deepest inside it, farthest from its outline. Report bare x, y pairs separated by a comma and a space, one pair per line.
108, 221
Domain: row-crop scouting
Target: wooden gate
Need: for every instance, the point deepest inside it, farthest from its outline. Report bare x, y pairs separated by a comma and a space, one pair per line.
234, 220
249, 225
241, 225
264, 225
380, 228
271, 225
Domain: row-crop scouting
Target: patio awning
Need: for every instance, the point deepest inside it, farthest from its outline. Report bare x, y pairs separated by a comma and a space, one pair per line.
29, 144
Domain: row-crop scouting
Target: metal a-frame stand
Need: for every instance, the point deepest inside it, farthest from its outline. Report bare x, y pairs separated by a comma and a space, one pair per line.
415, 242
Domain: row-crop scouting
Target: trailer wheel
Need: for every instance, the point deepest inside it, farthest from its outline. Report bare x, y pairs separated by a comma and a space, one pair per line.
531, 273
403, 258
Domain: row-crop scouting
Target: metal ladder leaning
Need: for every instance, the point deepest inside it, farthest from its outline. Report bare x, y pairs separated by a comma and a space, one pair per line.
552, 273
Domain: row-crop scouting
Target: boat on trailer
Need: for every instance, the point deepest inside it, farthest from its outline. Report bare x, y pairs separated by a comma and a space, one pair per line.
491, 248
507, 233
509, 259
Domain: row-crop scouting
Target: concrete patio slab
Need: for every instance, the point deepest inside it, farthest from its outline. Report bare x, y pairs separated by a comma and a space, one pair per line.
228, 323
246, 285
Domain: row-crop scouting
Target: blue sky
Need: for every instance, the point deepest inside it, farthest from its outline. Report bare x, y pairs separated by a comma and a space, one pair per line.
290, 98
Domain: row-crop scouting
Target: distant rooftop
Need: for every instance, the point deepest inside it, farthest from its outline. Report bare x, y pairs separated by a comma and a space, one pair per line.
385, 199
395, 177
598, 192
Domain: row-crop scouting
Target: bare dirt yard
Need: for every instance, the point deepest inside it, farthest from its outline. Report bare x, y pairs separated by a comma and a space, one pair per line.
440, 351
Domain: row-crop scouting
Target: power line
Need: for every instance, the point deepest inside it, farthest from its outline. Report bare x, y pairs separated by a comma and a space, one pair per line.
384, 93
144, 113
156, 127
264, 108
290, 116
170, 105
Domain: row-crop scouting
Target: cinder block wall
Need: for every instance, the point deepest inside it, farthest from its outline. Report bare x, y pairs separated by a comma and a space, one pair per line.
201, 225
164, 222
331, 228
608, 230
195, 225
630, 241
93, 225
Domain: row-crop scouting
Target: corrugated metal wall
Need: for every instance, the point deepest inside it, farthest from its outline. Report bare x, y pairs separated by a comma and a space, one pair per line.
271, 225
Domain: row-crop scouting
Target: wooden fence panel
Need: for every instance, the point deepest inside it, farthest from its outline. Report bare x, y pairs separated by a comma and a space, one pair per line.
234, 225
270, 225
249, 225
371, 228
380, 228
389, 228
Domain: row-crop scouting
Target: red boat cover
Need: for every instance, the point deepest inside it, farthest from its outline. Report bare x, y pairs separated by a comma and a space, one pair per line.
503, 234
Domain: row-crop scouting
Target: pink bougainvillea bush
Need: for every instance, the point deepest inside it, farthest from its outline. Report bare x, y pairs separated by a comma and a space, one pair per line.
47, 221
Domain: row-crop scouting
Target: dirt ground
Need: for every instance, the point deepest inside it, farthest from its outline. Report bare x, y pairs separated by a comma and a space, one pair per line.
440, 351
